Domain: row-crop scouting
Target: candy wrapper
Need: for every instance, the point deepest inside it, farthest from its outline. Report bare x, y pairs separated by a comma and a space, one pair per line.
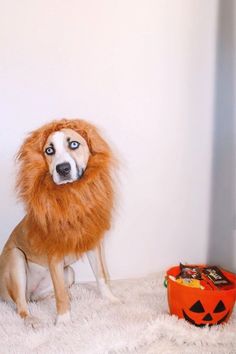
189, 272
215, 275
203, 277
193, 283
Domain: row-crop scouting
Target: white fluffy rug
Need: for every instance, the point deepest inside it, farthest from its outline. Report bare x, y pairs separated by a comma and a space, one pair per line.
140, 324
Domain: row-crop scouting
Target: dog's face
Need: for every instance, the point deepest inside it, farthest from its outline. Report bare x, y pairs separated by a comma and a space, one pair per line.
67, 155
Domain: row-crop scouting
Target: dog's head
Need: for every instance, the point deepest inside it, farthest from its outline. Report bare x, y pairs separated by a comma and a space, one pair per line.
60, 156
67, 155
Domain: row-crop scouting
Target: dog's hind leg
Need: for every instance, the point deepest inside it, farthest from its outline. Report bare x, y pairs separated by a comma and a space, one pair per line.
97, 263
45, 287
14, 277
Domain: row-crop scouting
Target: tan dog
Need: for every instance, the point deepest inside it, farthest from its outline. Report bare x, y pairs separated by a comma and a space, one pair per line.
65, 182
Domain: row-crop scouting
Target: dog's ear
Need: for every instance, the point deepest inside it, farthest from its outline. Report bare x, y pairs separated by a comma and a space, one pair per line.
97, 145
101, 153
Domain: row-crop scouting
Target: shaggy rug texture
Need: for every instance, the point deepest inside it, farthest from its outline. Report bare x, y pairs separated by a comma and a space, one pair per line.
139, 324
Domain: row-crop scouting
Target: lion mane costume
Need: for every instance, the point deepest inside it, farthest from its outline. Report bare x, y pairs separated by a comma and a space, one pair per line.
69, 218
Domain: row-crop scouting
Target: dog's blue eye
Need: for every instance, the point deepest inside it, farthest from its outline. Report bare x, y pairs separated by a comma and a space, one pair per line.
74, 145
50, 151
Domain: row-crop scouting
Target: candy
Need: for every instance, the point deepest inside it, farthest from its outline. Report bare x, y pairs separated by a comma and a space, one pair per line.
189, 272
193, 283
217, 277
203, 277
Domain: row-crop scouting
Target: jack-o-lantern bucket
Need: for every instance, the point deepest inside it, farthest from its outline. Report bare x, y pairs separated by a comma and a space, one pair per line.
197, 306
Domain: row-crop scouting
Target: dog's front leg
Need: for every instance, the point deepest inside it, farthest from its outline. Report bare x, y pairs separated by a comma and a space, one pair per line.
61, 294
97, 263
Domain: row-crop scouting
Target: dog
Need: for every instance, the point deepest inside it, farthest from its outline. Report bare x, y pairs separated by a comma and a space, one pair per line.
65, 182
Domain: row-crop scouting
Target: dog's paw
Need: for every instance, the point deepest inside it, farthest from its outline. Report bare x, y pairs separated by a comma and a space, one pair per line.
112, 298
108, 295
33, 322
63, 319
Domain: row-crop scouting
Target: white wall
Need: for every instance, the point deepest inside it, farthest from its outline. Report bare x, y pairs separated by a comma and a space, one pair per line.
222, 235
143, 71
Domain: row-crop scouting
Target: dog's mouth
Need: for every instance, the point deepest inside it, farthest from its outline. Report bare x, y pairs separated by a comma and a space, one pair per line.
66, 176
64, 180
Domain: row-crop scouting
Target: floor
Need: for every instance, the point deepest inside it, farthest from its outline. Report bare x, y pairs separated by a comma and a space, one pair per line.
140, 323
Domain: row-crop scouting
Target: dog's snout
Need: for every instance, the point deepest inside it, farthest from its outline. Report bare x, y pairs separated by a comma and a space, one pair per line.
63, 169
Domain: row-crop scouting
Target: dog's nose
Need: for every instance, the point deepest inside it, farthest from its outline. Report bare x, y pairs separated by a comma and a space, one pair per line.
63, 169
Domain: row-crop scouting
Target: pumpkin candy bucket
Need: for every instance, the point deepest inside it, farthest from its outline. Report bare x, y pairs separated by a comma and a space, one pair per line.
200, 306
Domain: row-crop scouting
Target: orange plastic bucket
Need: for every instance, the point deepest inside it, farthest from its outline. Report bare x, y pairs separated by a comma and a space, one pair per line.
197, 306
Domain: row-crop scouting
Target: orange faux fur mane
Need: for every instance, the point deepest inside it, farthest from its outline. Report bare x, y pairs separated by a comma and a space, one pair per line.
68, 218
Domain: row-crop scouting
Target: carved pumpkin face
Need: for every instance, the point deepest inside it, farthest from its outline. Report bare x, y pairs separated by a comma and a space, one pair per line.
201, 316
200, 307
